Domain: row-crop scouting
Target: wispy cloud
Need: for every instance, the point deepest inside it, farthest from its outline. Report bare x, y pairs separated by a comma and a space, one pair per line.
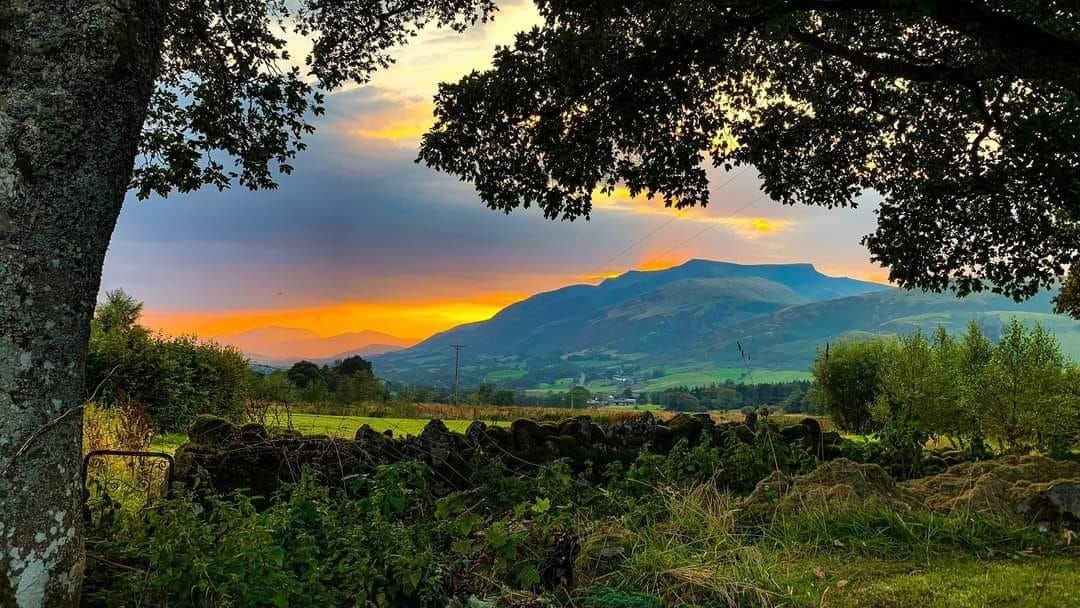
402, 121
749, 227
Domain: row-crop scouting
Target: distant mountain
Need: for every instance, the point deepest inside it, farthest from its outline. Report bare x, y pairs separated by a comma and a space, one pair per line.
701, 315
696, 294
655, 315
286, 345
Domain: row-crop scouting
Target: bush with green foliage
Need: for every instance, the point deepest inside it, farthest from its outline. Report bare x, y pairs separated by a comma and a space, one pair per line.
310, 547
350, 380
1019, 394
175, 378
847, 377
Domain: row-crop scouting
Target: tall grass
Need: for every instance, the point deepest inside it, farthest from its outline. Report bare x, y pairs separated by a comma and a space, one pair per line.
876, 531
467, 412
693, 553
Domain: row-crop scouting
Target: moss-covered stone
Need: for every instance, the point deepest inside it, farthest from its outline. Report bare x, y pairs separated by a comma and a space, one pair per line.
529, 434
685, 426
254, 433
212, 430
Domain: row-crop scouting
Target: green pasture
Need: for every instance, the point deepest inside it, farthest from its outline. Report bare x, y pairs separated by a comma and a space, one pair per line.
504, 374
688, 376
346, 426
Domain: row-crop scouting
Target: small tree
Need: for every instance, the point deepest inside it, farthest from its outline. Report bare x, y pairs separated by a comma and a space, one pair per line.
175, 378
974, 354
846, 379
917, 395
1019, 391
579, 395
1066, 433
118, 314
304, 373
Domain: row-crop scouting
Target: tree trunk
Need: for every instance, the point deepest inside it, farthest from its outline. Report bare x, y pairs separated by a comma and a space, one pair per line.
75, 80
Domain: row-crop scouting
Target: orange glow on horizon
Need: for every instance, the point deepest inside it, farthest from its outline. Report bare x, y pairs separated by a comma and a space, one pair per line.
861, 273
416, 319
661, 263
598, 276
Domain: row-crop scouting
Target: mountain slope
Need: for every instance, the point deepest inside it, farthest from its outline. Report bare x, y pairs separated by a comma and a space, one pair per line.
654, 315
555, 320
788, 339
699, 316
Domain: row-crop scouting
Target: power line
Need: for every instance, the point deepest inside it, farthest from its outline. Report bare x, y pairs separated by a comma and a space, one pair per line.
641, 240
708, 228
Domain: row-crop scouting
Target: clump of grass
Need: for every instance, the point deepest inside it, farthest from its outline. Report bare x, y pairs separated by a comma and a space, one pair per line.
876, 531
694, 554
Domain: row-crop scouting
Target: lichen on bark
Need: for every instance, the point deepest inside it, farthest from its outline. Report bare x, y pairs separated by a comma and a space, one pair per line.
75, 80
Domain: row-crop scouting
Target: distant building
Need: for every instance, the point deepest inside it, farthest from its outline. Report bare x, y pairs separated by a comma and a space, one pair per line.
607, 400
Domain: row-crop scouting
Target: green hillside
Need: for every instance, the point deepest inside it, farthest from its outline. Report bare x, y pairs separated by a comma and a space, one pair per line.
696, 324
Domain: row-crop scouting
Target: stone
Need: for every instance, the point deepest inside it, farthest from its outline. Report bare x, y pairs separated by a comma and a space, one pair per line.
212, 430
254, 433
475, 432
685, 426
1064, 497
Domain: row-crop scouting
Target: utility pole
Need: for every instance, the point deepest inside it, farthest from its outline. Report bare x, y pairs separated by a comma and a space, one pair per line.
457, 356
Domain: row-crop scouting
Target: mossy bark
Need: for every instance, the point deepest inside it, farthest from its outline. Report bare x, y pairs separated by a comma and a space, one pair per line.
75, 81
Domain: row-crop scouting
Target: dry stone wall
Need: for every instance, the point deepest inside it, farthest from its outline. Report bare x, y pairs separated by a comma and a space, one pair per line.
225, 457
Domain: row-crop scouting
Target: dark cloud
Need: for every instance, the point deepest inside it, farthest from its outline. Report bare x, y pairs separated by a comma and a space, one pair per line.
359, 220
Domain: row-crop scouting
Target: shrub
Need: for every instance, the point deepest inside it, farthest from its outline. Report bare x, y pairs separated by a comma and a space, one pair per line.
307, 548
176, 379
1020, 394
1019, 391
847, 376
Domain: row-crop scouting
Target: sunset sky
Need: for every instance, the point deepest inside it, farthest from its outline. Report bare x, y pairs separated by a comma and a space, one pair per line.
361, 237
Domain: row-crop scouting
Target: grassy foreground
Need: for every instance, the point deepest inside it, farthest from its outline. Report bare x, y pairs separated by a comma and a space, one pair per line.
949, 582
665, 532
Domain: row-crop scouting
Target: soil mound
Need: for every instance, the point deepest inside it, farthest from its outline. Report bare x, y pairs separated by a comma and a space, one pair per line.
836, 485
1030, 487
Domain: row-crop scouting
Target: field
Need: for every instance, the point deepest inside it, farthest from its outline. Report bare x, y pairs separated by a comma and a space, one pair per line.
723, 374
346, 426
687, 376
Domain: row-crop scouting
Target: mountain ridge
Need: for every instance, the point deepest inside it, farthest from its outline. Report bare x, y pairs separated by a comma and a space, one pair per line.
285, 345
579, 302
702, 315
